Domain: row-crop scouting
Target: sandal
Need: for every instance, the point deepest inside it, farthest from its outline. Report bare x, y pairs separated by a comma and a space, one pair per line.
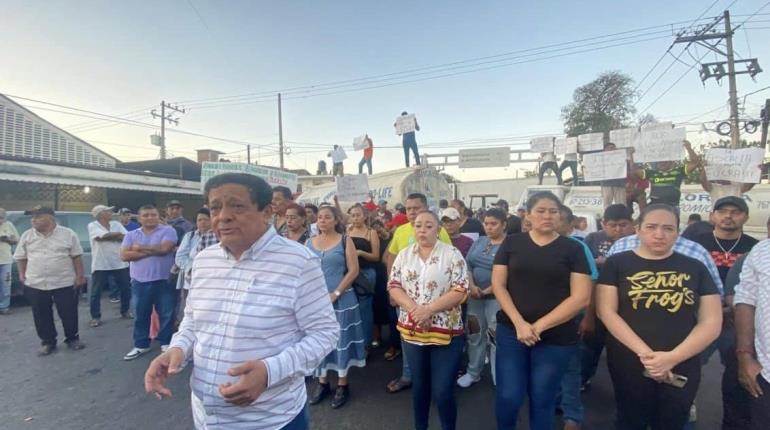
391, 355
397, 385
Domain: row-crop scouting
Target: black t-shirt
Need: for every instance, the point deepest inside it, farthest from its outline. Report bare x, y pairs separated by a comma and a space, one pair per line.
658, 299
696, 229
539, 280
472, 225
725, 260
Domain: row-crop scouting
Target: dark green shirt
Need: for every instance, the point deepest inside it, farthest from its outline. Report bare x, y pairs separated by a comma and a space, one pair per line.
664, 186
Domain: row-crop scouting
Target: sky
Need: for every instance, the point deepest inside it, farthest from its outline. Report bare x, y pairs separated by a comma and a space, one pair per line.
122, 58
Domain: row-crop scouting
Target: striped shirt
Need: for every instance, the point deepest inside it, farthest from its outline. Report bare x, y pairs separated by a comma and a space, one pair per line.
754, 290
271, 305
682, 246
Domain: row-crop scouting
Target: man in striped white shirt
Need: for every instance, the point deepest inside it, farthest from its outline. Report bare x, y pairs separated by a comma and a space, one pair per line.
258, 318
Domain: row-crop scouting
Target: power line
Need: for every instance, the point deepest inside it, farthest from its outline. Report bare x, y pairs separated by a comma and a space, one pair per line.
672, 85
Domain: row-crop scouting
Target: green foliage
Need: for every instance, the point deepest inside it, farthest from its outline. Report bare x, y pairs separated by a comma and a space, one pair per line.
604, 104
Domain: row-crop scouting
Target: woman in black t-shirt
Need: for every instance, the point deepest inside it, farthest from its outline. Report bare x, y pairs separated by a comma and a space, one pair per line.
541, 281
662, 310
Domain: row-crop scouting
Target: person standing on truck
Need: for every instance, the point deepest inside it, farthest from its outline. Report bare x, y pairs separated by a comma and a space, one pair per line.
548, 160
49, 258
409, 142
667, 177
8, 237
338, 155
613, 190
367, 158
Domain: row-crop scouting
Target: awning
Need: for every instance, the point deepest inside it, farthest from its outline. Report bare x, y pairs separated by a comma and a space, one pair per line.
23, 171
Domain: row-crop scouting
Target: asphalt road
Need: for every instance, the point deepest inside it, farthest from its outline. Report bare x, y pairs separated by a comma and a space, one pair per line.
95, 389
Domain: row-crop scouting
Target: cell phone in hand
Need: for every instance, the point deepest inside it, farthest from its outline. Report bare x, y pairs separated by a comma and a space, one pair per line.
678, 381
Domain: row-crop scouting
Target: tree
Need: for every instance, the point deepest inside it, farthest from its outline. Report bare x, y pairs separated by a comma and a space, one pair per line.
604, 104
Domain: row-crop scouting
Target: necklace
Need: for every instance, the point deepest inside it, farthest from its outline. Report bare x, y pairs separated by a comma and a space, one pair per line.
727, 252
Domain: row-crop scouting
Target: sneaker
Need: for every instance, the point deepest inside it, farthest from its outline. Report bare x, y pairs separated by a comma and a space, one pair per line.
46, 350
163, 348
96, 322
76, 345
135, 353
127, 316
114, 300
466, 380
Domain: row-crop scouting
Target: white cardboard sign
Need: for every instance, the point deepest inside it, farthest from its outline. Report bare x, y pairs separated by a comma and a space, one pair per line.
624, 137
541, 144
591, 142
664, 144
565, 145
273, 176
352, 188
405, 124
360, 143
602, 166
484, 157
737, 165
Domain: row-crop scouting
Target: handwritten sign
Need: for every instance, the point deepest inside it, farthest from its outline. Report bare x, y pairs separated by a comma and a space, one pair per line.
654, 126
591, 142
405, 124
541, 144
565, 145
737, 165
602, 166
352, 188
360, 143
484, 157
274, 177
664, 144
624, 137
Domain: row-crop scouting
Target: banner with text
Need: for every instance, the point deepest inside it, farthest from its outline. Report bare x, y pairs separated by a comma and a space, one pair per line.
405, 124
664, 144
352, 188
591, 142
484, 157
737, 165
565, 145
273, 176
602, 166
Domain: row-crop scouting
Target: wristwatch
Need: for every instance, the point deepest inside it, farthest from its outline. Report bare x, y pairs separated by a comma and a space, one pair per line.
337, 293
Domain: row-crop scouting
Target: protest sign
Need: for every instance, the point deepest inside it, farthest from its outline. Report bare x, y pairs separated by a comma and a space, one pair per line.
405, 124
360, 143
352, 188
274, 177
484, 157
653, 126
591, 142
565, 145
624, 137
602, 166
660, 145
737, 165
541, 144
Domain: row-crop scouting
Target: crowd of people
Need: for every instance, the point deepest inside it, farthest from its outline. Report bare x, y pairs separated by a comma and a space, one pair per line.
261, 293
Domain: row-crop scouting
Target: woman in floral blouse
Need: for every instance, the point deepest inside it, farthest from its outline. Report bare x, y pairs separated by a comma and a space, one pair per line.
429, 281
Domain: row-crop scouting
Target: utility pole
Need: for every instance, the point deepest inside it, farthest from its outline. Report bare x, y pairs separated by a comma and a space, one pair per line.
765, 115
716, 70
280, 132
248, 154
163, 118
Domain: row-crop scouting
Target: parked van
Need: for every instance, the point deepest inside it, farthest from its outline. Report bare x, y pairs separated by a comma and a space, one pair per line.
77, 221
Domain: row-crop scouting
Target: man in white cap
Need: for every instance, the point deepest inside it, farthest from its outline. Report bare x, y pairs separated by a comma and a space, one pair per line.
8, 237
106, 235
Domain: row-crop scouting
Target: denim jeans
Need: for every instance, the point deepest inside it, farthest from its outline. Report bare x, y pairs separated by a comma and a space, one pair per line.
162, 296
300, 422
591, 348
523, 371
365, 305
736, 413
411, 145
101, 279
367, 163
482, 315
5, 286
434, 372
571, 403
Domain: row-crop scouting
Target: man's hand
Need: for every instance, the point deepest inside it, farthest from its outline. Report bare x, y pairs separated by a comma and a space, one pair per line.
252, 384
168, 363
80, 282
748, 369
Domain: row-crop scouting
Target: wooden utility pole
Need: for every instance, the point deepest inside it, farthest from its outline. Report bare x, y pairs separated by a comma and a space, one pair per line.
735, 132
163, 118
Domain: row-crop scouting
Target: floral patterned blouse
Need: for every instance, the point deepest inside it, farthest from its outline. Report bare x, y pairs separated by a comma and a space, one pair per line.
424, 282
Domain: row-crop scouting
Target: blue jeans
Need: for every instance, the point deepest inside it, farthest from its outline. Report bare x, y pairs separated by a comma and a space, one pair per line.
300, 422
365, 162
101, 279
591, 351
435, 371
523, 371
411, 144
365, 305
162, 296
571, 404
5, 286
